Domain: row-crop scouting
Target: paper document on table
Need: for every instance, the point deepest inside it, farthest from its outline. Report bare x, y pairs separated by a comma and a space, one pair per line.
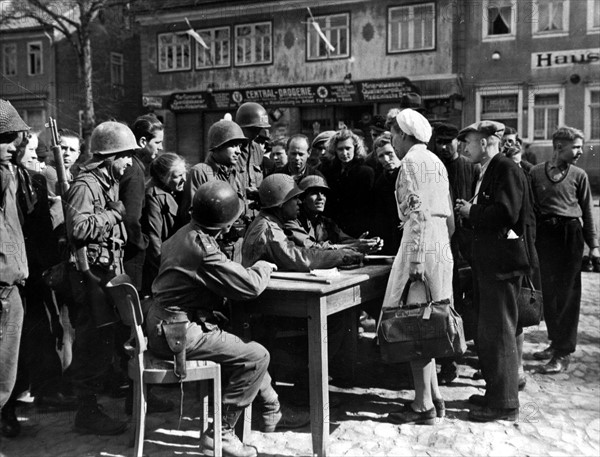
326, 273
511, 235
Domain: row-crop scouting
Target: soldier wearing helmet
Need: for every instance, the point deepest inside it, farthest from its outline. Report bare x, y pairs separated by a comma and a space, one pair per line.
252, 118
267, 240
94, 220
313, 229
225, 141
13, 261
194, 281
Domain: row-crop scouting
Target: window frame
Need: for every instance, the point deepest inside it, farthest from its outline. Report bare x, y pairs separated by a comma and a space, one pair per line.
535, 14
15, 60
41, 56
595, 87
158, 50
310, 32
119, 66
544, 90
411, 8
484, 22
500, 90
235, 44
211, 44
590, 17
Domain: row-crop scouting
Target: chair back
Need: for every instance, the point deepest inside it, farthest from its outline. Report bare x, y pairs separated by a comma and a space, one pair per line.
126, 299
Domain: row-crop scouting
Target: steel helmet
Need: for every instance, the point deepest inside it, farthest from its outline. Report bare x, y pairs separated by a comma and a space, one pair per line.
223, 132
109, 138
313, 182
276, 189
252, 114
10, 121
216, 205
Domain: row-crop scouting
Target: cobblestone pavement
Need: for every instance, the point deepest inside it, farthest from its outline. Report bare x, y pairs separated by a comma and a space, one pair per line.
559, 415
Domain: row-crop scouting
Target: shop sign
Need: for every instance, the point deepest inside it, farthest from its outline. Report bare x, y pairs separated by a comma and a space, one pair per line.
297, 95
553, 59
150, 101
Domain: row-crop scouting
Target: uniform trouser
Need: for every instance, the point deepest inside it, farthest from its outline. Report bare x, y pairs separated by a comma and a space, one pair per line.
497, 339
11, 323
94, 346
243, 363
560, 249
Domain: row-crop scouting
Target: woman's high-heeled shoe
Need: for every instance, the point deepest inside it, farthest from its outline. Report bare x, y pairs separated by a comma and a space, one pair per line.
407, 415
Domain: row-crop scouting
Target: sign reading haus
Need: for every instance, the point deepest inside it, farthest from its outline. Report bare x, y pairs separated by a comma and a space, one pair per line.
553, 59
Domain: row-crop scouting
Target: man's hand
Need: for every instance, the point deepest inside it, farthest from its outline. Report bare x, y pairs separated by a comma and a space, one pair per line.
367, 245
117, 207
462, 208
416, 271
352, 257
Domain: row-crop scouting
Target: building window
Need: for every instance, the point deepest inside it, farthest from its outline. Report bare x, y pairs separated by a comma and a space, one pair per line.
411, 28
336, 29
218, 54
253, 44
592, 113
550, 17
117, 79
9, 59
174, 52
499, 19
34, 58
545, 112
593, 16
501, 104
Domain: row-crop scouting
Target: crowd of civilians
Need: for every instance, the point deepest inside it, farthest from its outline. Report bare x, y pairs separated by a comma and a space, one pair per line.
293, 204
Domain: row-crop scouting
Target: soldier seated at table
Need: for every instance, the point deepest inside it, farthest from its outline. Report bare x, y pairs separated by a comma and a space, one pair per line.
267, 239
194, 280
313, 229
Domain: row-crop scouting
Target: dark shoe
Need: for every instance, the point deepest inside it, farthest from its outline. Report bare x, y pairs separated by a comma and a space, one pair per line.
56, 401
408, 415
275, 418
477, 375
587, 264
154, 404
232, 446
10, 424
90, 419
558, 364
493, 414
478, 400
546, 354
446, 378
522, 382
440, 408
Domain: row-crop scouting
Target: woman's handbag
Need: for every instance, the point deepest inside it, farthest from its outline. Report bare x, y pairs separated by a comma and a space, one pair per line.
530, 302
420, 330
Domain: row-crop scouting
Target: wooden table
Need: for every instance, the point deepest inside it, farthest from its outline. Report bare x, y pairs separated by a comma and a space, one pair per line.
316, 301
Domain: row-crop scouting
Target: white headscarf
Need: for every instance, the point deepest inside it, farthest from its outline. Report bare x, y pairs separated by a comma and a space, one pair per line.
415, 124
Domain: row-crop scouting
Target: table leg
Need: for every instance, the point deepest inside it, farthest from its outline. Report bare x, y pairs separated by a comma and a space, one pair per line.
353, 326
318, 375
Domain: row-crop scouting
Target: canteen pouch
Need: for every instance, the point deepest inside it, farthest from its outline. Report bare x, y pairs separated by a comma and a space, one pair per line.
175, 333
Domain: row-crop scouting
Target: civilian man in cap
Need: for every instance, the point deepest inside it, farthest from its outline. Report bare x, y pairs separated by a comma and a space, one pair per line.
498, 215
13, 259
512, 147
225, 142
462, 175
97, 235
297, 159
318, 149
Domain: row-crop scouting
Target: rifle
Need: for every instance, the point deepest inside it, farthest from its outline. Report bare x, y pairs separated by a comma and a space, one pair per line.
63, 187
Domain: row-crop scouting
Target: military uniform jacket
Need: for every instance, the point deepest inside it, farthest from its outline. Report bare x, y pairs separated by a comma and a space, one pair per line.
266, 239
194, 273
88, 219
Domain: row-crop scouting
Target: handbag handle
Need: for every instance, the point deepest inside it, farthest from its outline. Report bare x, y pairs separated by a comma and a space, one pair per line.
404, 297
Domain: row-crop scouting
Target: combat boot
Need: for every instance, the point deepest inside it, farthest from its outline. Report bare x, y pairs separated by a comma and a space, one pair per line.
232, 446
90, 419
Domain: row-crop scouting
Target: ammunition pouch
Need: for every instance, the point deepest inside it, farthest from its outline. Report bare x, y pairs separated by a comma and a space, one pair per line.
103, 256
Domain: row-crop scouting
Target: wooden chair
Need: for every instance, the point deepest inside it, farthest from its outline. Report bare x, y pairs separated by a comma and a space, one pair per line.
145, 368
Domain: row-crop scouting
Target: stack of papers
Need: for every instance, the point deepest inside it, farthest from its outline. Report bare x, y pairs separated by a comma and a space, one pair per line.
326, 273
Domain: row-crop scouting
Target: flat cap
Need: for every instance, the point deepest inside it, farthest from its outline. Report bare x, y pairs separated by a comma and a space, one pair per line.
322, 137
488, 128
410, 100
444, 131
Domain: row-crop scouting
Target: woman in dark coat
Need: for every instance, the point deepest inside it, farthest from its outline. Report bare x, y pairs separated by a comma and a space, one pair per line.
351, 182
159, 218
